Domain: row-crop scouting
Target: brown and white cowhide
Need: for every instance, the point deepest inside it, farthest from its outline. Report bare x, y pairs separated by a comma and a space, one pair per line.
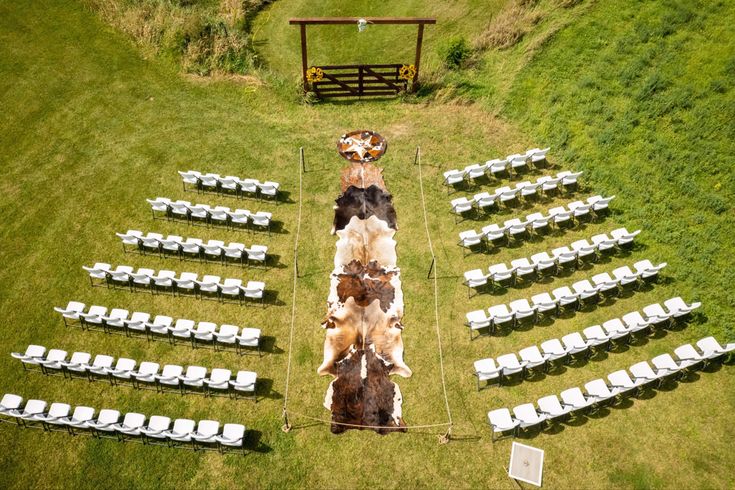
350, 324
362, 176
363, 203
366, 240
362, 394
363, 343
366, 284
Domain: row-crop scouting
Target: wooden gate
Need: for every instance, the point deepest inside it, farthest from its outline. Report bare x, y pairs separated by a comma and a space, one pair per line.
359, 80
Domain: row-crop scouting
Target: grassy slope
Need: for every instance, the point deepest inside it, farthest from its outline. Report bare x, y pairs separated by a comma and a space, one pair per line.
278, 42
89, 130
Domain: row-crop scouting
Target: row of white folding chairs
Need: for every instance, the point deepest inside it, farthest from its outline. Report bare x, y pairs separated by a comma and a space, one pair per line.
521, 311
207, 215
509, 164
118, 320
192, 247
495, 235
598, 392
576, 345
144, 375
186, 283
526, 189
210, 182
111, 424
562, 258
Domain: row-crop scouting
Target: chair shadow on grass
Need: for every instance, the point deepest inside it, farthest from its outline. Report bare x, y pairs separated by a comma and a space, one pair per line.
270, 298
277, 228
268, 345
253, 442
274, 262
264, 390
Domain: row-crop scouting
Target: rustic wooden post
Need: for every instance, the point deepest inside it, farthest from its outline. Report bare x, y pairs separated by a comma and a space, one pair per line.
304, 63
417, 63
360, 80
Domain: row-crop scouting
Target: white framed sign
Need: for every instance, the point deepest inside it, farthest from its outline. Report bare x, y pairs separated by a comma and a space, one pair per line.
526, 464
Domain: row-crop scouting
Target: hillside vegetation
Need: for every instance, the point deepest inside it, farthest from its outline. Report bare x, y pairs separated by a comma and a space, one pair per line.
202, 36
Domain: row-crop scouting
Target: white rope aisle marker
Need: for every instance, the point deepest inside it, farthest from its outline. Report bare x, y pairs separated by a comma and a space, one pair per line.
286, 424
444, 438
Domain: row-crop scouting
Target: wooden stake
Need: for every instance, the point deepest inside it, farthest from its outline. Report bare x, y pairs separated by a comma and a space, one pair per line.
417, 63
304, 63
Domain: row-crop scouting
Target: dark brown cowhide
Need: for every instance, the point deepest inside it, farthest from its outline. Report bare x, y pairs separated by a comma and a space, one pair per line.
363, 176
363, 394
366, 284
364, 203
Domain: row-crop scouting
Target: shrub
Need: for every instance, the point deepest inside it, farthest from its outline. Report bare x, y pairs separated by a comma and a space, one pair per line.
454, 52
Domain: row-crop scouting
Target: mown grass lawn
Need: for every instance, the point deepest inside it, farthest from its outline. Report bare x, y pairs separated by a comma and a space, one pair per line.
639, 96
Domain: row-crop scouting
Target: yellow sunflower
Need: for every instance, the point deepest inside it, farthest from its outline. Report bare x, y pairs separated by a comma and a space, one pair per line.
407, 72
314, 74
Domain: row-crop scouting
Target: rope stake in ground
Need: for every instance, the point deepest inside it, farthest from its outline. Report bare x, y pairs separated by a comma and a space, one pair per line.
446, 437
286, 424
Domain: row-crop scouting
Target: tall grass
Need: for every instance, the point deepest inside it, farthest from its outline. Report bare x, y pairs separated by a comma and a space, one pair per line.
205, 37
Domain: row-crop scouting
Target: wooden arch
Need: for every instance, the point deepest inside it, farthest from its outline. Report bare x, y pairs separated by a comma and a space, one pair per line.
359, 80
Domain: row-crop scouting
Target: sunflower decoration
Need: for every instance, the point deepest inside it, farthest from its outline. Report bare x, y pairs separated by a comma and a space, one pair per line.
407, 72
314, 74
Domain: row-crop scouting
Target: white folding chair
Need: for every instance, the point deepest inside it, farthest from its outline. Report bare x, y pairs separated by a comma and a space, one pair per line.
205, 435
522, 310
538, 222
170, 377
544, 264
193, 379
70, 314
576, 346
527, 415
477, 321
158, 327
475, 279
544, 304
218, 381
485, 201
500, 274
533, 358
524, 270
154, 433
245, 382
203, 333
501, 421
231, 437
486, 371
551, 408
254, 290
231, 288
34, 355
131, 238
501, 316
130, 426
180, 433
510, 365
181, 330
623, 237
209, 286
213, 250
269, 189
249, 338
146, 374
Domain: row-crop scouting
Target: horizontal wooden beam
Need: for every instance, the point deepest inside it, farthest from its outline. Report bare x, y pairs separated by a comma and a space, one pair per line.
353, 20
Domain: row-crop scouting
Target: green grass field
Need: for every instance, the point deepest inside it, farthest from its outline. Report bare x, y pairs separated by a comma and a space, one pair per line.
639, 95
